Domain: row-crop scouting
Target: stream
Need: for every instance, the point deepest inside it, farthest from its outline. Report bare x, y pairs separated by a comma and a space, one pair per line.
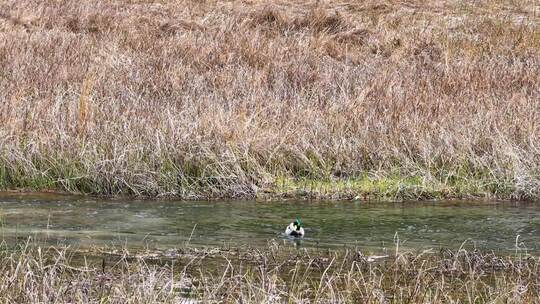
81, 222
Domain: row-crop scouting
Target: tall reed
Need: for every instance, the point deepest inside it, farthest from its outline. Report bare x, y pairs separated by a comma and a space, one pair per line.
206, 99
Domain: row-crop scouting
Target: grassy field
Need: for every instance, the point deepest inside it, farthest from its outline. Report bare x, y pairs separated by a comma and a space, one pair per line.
268, 275
242, 99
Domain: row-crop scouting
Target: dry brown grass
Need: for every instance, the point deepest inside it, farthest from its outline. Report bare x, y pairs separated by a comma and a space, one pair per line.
266, 275
213, 99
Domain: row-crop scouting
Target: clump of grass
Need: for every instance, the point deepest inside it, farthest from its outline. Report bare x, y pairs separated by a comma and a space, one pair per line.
274, 274
384, 188
207, 100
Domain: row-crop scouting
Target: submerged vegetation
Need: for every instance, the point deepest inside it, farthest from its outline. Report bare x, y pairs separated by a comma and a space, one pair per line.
274, 274
344, 99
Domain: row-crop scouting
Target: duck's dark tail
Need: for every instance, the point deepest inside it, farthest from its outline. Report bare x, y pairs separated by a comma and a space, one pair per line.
295, 233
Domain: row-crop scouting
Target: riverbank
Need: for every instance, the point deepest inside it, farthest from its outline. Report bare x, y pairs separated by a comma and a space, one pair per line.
363, 188
271, 275
271, 100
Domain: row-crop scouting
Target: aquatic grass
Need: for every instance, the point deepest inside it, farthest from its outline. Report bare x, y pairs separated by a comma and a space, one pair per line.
274, 274
209, 100
383, 186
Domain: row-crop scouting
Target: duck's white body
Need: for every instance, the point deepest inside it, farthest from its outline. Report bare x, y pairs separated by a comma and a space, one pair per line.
292, 230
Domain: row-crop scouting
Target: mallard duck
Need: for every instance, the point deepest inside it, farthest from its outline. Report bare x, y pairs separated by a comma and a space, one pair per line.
295, 229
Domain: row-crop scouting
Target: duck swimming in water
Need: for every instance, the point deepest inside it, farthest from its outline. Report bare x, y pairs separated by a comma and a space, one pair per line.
295, 229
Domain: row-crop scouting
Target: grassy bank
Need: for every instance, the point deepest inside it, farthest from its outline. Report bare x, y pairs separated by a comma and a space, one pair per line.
269, 275
209, 99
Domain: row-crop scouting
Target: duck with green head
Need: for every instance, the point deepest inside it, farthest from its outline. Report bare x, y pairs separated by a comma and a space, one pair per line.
295, 229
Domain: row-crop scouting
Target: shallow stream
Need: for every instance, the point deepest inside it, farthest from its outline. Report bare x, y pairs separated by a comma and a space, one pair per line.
83, 221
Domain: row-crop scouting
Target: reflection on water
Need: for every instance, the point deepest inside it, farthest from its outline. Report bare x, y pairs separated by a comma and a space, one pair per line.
83, 222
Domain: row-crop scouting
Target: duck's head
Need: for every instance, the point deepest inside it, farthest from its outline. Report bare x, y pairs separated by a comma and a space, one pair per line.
297, 224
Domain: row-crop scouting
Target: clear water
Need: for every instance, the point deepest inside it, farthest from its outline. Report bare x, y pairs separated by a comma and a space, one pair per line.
82, 221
